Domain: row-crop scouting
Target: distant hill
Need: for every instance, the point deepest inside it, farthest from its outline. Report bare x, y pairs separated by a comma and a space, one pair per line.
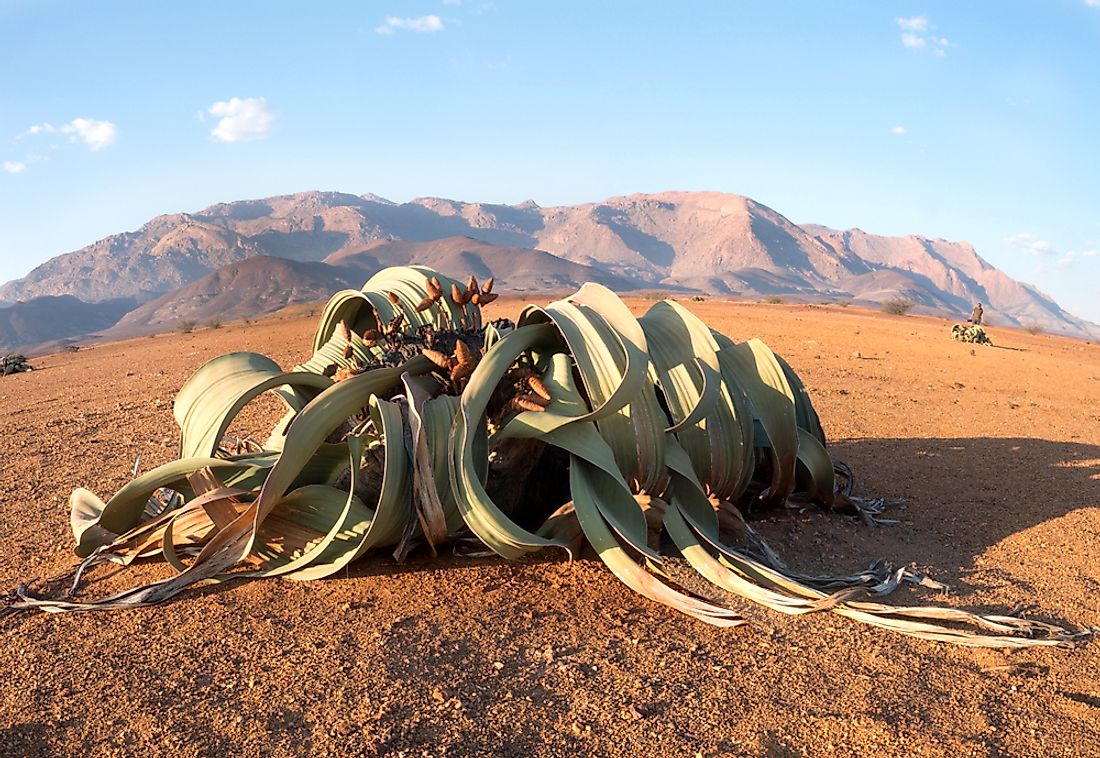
701, 241
247, 289
28, 324
264, 284
515, 268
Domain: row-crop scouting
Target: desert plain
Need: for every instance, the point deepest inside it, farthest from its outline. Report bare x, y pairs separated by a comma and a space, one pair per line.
995, 451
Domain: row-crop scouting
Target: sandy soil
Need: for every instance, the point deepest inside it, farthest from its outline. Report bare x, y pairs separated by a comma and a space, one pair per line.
996, 450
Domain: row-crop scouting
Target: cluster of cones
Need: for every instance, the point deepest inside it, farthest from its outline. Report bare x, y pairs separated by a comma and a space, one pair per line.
482, 295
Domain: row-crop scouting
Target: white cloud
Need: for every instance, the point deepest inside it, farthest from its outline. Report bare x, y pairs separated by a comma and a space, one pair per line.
1047, 251
242, 119
423, 24
1031, 243
899, 130
1093, 3
15, 167
459, 2
1066, 260
915, 23
916, 35
94, 133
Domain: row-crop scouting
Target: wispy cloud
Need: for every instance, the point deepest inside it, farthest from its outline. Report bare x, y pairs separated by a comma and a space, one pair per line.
459, 2
917, 34
908, 39
94, 133
898, 130
1093, 3
242, 119
422, 24
1047, 252
913, 24
1031, 243
15, 167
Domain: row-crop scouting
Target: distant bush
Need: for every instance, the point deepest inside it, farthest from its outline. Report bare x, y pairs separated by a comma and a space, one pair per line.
1033, 328
698, 299
897, 306
215, 323
773, 299
186, 327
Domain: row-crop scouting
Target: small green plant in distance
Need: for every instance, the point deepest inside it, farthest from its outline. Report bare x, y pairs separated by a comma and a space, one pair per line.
898, 306
774, 299
215, 323
186, 327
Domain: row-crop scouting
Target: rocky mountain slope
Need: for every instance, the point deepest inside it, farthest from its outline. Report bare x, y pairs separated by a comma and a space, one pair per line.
248, 289
702, 241
43, 319
515, 268
263, 284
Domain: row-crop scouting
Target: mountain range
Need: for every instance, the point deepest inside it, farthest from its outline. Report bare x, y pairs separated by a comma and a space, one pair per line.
246, 258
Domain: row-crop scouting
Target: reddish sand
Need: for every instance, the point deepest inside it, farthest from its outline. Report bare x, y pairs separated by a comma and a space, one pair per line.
996, 450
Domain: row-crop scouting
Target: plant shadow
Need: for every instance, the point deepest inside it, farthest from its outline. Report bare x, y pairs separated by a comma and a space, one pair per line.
962, 497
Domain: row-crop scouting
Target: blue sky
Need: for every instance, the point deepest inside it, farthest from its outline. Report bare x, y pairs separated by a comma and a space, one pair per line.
975, 121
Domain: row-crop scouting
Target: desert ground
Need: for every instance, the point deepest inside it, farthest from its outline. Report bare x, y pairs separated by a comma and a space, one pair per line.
996, 451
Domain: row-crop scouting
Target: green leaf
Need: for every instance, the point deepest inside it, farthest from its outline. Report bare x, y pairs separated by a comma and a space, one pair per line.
753, 367
711, 418
216, 393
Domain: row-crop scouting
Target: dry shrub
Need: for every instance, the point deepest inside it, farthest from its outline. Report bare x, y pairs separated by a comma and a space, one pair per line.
897, 306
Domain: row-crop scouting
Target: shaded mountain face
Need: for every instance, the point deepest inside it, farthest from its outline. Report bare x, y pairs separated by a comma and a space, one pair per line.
44, 319
704, 241
514, 268
264, 284
247, 289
